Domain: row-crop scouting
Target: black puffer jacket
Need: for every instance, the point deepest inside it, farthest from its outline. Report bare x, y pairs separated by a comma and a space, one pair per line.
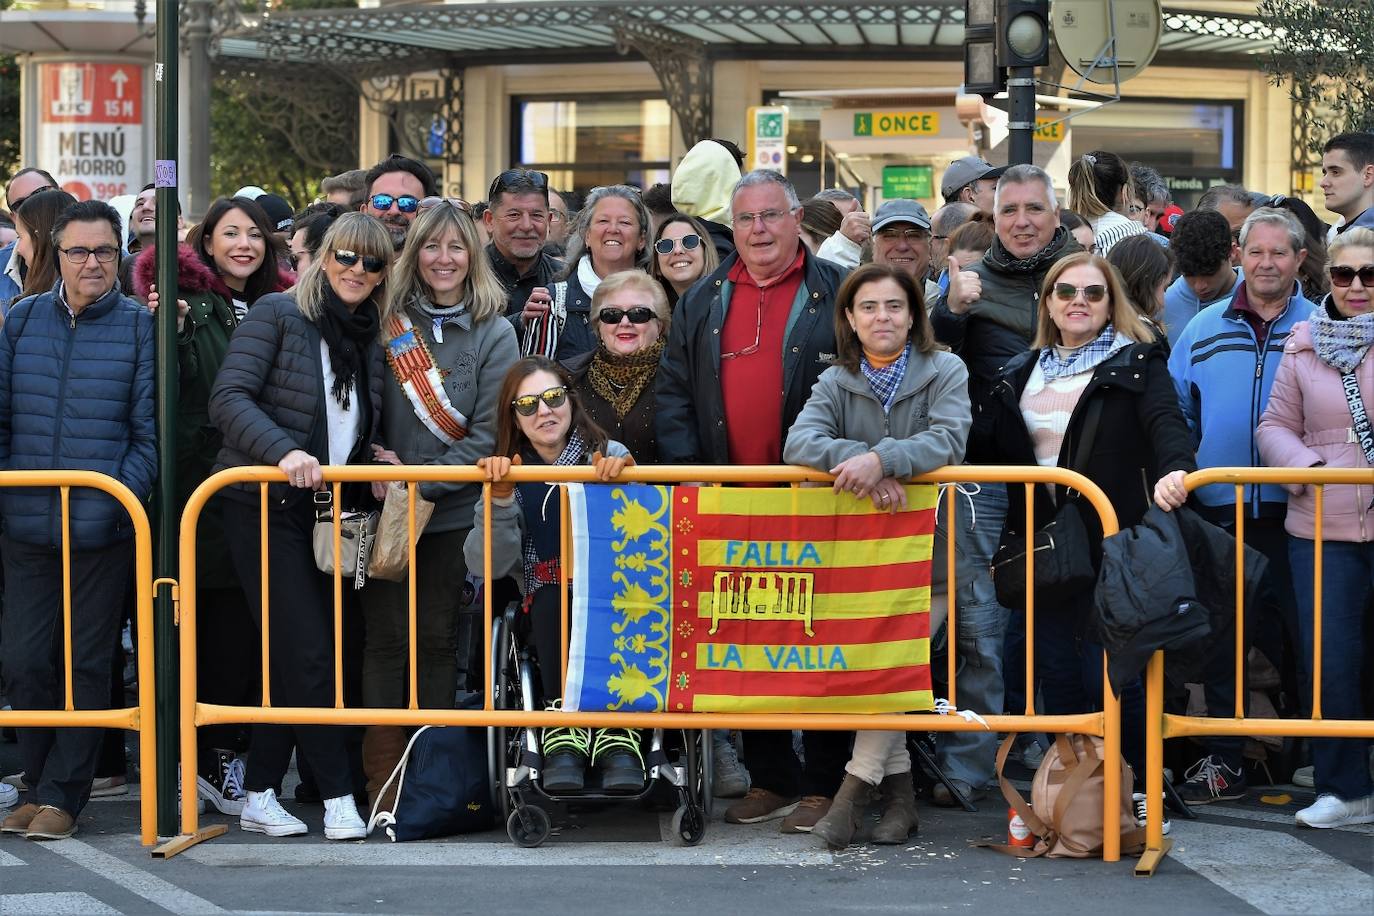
269, 395
577, 336
691, 409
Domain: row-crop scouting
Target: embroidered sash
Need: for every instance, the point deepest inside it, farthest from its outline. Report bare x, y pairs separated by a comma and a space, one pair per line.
415, 371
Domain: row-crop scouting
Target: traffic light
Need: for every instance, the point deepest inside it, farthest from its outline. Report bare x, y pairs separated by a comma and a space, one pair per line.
1023, 33
983, 75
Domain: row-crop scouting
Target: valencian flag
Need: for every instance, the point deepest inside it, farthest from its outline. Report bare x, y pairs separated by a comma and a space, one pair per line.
715, 599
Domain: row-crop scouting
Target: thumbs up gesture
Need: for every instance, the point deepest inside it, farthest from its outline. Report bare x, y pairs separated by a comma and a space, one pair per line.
965, 288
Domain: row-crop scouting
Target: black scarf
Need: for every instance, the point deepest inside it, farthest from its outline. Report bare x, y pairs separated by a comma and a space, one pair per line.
1060, 244
346, 333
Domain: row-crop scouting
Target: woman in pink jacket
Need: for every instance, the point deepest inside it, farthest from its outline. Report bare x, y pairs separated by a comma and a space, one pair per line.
1318, 415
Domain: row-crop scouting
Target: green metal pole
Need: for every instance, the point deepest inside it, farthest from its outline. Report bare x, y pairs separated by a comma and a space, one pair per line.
164, 624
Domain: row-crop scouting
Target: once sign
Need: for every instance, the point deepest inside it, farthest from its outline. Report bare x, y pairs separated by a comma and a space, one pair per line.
896, 123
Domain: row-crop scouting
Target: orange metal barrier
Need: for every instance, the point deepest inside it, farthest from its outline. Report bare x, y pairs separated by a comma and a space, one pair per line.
139, 718
1105, 724
1160, 725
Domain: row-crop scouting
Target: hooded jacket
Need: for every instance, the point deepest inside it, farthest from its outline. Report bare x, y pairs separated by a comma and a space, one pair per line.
702, 185
1307, 423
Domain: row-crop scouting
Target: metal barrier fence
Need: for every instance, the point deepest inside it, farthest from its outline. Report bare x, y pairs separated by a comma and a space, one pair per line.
138, 718
1160, 725
1105, 724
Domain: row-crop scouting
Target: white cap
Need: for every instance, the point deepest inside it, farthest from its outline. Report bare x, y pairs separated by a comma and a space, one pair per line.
252, 192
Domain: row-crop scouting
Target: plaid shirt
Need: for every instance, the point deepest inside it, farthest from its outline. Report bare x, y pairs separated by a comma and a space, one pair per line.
541, 572
886, 380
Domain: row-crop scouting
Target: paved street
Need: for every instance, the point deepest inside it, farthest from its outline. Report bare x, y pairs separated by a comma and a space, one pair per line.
1237, 858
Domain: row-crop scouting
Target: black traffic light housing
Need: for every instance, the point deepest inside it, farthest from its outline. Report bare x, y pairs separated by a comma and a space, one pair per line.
983, 74
1023, 33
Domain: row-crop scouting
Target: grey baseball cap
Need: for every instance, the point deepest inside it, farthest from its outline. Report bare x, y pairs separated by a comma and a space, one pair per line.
900, 210
966, 171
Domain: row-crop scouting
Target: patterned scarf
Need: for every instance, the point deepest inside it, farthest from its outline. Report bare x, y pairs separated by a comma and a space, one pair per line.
1341, 343
1085, 358
621, 379
546, 572
885, 380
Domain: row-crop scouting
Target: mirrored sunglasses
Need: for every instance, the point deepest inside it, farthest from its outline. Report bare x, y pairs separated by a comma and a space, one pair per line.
349, 258
405, 203
553, 398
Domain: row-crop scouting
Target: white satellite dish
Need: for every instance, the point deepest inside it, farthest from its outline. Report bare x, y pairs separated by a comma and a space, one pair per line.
1082, 29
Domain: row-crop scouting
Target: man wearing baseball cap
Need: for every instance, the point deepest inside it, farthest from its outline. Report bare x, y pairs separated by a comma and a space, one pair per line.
901, 239
973, 180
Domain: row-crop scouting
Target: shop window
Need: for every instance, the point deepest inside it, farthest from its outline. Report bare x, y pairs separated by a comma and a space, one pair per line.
588, 141
803, 141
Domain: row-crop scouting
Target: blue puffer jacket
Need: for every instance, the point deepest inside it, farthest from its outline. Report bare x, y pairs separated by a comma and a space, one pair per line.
1223, 376
9, 292
76, 394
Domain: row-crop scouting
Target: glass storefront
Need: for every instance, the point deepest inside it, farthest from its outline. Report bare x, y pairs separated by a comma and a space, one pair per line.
803, 141
593, 140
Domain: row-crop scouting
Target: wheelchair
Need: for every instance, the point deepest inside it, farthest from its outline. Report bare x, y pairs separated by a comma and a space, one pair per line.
515, 760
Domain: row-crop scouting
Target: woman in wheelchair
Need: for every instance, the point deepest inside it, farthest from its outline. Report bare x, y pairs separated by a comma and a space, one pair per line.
542, 423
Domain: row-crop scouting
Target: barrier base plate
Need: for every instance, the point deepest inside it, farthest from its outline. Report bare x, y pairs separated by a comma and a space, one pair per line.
1149, 859
185, 841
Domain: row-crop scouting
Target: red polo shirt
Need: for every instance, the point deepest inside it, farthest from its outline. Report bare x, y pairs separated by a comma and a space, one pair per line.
751, 383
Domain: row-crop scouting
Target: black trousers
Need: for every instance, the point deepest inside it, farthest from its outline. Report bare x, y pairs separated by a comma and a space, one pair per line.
301, 658
773, 764
228, 667
59, 763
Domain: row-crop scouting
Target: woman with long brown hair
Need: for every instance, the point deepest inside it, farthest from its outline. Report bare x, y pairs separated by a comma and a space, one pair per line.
33, 221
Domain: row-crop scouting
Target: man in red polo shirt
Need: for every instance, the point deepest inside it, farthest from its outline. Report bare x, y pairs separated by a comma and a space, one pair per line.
746, 345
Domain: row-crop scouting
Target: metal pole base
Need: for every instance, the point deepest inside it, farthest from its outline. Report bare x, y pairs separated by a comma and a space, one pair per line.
1149, 859
185, 841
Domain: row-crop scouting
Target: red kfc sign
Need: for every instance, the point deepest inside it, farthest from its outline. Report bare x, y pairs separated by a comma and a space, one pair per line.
91, 127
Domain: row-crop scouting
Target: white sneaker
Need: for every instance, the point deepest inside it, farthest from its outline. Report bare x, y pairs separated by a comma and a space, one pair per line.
1141, 812
16, 780
341, 820
262, 813
1330, 811
1305, 777
9, 795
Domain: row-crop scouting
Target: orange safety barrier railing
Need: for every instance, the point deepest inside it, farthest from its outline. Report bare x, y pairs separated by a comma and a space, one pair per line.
138, 718
1160, 725
1105, 724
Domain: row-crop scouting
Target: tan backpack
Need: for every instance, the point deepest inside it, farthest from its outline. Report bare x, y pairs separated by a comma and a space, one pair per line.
1065, 813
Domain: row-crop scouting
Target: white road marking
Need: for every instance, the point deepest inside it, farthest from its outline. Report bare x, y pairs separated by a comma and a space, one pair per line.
7, 859
1273, 817
1264, 875
51, 904
132, 878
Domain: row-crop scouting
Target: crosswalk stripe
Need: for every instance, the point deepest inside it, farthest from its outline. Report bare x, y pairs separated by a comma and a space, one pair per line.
132, 878
52, 904
7, 859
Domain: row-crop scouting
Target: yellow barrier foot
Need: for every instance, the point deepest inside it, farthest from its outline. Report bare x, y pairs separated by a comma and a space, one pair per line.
185, 841
1149, 860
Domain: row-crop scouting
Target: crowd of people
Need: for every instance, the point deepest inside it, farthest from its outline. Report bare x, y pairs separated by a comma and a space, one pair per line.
718, 320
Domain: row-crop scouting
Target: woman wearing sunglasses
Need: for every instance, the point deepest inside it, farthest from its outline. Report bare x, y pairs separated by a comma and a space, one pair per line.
1093, 394
615, 382
300, 388
447, 348
543, 423
1318, 416
683, 254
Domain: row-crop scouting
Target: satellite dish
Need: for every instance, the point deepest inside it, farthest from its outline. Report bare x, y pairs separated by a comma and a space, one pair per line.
1081, 29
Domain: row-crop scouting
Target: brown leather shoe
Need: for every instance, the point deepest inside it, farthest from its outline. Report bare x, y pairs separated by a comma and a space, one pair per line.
809, 810
51, 823
759, 805
18, 821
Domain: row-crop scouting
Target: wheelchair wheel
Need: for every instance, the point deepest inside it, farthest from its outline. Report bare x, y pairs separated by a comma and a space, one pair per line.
498, 739
688, 826
528, 826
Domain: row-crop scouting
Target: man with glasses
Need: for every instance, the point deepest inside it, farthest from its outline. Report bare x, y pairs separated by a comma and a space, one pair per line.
76, 393
745, 347
24, 184
517, 219
395, 187
562, 212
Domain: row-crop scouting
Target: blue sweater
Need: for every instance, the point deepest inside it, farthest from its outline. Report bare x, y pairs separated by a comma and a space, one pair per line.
76, 393
1181, 304
1223, 376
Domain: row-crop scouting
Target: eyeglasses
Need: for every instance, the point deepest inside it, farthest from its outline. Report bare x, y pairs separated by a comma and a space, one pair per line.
557, 216
1067, 292
405, 203
104, 254
20, 202
1135, 209
518, 180
753, 347
769, 217
349, 258
689, 242
1343, 276
429, 203
911, 235
553, 398
640, 314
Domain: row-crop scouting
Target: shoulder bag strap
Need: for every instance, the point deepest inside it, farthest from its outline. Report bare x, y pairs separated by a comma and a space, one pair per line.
1350, 384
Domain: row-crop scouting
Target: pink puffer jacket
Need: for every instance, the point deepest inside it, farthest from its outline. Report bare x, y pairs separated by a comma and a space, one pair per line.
1307, 421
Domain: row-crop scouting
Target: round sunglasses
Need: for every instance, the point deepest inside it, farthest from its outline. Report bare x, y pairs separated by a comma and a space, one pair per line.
689, 242
349, 258
405, 203
553, 398
640, 314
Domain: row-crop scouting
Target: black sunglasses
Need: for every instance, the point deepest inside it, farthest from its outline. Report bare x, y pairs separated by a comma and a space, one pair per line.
1343, 276
20, 202
518, 179
405, 203
689, 242
640, 314
349, 258
554, 398
1093, 292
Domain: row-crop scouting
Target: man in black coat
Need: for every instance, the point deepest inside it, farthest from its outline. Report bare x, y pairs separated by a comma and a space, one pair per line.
517, 219
746, 345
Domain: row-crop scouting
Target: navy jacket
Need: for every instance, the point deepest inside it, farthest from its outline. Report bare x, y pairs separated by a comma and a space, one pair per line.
76, 393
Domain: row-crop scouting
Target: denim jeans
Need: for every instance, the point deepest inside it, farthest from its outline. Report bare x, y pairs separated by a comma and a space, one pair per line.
1341, 765
981, 626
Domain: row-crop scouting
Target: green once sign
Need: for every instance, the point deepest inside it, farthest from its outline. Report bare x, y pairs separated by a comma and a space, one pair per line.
769, 125
911, 181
